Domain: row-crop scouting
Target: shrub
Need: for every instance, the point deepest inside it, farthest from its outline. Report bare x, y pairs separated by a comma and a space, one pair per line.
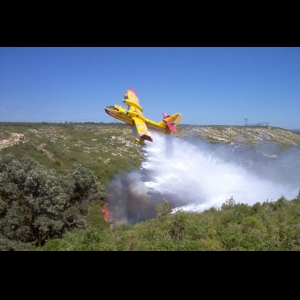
162, 209
178, 225
37, 204
250, 223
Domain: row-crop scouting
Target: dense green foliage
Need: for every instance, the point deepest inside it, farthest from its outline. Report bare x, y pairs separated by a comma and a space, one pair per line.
270, 226
38, 204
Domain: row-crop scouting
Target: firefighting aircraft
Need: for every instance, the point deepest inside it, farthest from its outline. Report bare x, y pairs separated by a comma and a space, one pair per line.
134, 117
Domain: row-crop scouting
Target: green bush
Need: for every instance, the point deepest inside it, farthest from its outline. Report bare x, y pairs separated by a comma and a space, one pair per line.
37, 204
250, 223
162, 209
178, 225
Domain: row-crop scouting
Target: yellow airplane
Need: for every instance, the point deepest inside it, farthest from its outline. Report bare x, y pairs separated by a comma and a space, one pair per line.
134, 117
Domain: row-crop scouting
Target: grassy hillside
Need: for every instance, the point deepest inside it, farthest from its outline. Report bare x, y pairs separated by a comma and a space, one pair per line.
104, 149
107, 149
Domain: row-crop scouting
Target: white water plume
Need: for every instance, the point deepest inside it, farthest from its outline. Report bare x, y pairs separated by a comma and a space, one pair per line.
200, 179
194, 175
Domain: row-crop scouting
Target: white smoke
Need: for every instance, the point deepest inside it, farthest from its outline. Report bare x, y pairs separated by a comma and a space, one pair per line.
193, 175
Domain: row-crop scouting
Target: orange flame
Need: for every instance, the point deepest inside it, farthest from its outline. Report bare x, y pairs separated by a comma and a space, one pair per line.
105, 212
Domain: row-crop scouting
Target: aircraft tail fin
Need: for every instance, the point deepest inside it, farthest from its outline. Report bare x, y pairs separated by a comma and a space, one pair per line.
171, 121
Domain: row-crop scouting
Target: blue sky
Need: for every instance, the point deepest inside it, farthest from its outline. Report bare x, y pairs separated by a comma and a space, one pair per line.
207, 85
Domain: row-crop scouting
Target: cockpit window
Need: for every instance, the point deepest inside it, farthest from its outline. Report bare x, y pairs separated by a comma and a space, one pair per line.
113, 107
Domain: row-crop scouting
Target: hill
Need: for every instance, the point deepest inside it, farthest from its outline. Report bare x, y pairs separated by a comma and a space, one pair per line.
104, 149
117, 134
107, 149
234, 135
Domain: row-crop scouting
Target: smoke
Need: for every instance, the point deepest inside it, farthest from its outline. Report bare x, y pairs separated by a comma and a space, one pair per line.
128, 200
194, 175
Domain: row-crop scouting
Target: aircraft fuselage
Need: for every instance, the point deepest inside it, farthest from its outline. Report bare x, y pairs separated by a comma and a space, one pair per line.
126, 115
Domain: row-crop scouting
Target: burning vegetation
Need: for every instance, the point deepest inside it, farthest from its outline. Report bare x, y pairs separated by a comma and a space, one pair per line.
105, 212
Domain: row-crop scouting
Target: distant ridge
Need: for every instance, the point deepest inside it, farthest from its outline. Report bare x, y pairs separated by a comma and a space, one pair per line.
260, 124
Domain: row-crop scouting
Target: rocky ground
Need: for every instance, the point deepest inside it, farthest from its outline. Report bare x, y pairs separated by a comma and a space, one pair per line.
12, 139
236, 134
122, 137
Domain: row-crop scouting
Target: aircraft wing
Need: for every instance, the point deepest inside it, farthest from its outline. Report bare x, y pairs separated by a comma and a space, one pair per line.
131, 99
142, 129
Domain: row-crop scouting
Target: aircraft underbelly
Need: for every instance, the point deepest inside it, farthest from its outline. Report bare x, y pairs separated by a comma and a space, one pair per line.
119, 117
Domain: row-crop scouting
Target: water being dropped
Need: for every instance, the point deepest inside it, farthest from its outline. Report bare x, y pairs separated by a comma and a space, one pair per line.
201, 177
194, 175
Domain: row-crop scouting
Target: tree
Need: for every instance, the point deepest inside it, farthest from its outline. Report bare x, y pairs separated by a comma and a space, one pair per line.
37, 204
162, 209
178, 225
229, 203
